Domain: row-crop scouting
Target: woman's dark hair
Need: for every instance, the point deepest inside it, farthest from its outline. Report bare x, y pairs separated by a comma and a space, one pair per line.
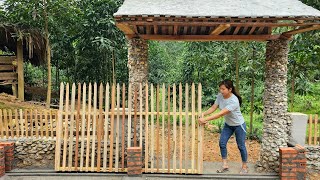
229, 85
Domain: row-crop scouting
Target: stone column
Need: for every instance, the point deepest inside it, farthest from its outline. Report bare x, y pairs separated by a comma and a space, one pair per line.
138, 73
276, 120
138, 63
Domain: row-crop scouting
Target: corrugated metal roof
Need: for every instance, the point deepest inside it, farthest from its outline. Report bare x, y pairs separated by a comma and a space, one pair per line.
218, 8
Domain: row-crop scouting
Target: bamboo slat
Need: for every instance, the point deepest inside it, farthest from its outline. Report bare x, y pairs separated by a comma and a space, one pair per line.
152, 129
310, 129
51, 122
77, 127
162, 133
59, 129
88, 126
158, 130
21, 122
193, 126
31, 123
129, 115
117, 129
26, 122
169, 140
71, 130
146, 165
123, 125
100, 127
174, 129
94, 127
6, 125
135, 118
16, 122
186, 128
112, 126
65, 135
40, 120
140, 110
200, 132
83, 124
10, 122
106, 128
46, 123
315, 130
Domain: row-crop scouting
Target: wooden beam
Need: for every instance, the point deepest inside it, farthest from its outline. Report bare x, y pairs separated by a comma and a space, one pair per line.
301, 30
8, 76
20, 70
7, 59
125, 28
235, 32
175, 30
210, 37
260, 30
220, 29
6, 67
253, 28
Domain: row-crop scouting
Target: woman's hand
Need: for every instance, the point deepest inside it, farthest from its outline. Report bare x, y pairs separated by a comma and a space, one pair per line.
202, 120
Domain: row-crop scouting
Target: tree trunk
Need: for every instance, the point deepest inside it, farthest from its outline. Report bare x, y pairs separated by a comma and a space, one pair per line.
293, 78
57, 74
276, 123
48, 55
20, 70
113, 68
252, 103
237, 71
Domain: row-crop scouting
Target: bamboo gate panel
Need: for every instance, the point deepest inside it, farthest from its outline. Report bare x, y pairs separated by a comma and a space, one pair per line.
27, 123
96, 123
313, 137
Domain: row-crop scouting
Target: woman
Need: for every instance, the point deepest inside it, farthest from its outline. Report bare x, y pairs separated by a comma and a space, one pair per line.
229, 102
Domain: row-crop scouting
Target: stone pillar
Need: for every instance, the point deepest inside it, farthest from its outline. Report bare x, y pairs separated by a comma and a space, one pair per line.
138, 73
276, 124
138, 64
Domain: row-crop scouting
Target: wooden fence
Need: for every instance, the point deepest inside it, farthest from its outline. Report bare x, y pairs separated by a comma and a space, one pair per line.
100, 122
313, 130
27, 123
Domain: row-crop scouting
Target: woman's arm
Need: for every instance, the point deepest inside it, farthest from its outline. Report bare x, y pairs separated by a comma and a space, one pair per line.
214, 116
210, 110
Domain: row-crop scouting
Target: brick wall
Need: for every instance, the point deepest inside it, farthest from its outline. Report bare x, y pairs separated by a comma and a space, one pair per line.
2, 161
293, 163
134, 161
6, 157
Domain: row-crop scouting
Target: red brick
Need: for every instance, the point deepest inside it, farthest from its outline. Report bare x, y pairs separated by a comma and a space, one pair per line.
287, 150
288, 156
288, 178
134, 149
2, 161
130, 164
288, 174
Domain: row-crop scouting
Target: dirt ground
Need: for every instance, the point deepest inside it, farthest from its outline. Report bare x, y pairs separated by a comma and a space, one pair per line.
212, 150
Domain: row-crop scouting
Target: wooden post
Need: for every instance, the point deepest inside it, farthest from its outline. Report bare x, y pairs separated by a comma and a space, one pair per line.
20, 70
14, 90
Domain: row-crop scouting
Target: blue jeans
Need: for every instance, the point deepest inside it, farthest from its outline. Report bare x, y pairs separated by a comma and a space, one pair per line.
240, 132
